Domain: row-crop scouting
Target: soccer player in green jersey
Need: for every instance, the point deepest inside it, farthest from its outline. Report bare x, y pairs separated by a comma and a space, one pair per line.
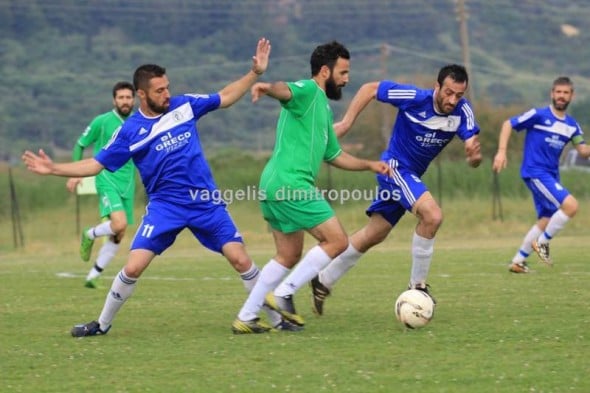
116, 190
292, 205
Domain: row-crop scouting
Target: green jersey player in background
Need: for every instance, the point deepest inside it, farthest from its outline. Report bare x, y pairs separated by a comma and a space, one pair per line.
116, 190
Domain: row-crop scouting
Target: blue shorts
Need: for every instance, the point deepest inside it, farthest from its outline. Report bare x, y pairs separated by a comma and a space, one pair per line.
397, 194
548, 194
210, 223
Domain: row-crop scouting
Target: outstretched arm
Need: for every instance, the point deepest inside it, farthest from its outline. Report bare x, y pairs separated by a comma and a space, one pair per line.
43, 165
361, 99
278, 90
500, 161
235, 90
352, 163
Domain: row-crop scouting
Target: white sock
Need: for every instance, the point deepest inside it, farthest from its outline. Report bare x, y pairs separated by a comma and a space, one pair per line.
102, 229
315, 260
339, 266
106, 253
422, 250
270, 276
526, 248
250, 277
120, 291
554, 226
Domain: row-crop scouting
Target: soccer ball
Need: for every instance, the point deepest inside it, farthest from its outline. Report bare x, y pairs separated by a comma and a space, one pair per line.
414, 308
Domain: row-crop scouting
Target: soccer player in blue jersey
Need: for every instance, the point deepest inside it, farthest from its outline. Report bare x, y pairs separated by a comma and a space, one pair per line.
548, 131
427, 120
163, 141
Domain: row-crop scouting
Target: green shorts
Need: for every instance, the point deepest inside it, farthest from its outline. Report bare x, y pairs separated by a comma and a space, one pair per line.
292, 216
110, 201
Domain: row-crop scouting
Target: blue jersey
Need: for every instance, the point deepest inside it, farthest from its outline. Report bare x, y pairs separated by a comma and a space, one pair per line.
419, 132
545, 140
166, 150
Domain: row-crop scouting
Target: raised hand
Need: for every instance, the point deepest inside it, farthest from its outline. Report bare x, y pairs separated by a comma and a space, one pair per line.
260, 60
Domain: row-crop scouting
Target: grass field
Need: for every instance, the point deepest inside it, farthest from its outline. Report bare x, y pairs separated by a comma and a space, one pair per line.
492, 331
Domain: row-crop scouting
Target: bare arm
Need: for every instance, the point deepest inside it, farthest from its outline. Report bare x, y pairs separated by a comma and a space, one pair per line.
583, 150
361, 99
43, 165
278, 90
352, 163
235, 90
473, 151
500, 160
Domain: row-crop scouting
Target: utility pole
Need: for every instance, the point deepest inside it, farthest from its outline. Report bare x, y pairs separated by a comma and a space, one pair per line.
462, 17
385, 130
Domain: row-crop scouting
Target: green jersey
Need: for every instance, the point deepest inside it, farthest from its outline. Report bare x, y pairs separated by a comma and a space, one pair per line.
99, 132
305, 138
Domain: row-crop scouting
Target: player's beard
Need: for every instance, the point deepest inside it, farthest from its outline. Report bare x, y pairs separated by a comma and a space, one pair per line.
124, 110
333, 92
560, 106
157, 108
440, 105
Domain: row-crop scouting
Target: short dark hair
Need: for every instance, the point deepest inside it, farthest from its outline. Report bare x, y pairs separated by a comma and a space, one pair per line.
563, 80
143, 74
456, 72
123, 85
327, 55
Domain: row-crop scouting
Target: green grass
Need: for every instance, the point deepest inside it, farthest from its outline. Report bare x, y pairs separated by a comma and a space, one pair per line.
492, 331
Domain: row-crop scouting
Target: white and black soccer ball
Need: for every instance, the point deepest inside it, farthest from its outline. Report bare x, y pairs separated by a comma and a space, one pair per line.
414, 308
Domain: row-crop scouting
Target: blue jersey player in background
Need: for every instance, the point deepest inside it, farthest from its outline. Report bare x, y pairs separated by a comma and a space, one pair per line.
548, 131
427, 120
162, 140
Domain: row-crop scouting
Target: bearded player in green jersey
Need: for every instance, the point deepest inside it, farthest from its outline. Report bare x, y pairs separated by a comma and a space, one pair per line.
116, 190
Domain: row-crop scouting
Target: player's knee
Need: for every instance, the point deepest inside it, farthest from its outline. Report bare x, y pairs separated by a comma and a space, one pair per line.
241, 263
570, 206
337, 245
342, 244
132, 271
433, 219
118, 226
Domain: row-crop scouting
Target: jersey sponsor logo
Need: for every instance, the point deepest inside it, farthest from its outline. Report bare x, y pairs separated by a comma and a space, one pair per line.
166, 123
555, 142
169, 142
430, 139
